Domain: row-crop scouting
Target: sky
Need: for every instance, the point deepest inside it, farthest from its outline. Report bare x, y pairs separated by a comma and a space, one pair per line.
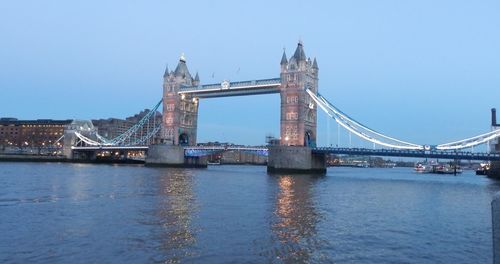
424, 71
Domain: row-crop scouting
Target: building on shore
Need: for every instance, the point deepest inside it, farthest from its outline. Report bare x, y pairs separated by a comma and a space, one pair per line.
18, 134
31, 133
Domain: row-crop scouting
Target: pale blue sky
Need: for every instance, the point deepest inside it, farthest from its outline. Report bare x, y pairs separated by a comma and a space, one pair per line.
424, 71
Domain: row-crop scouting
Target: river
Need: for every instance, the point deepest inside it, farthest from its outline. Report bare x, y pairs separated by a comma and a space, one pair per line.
85, 213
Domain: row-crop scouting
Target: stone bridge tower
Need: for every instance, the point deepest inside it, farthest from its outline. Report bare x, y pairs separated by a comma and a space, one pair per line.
298, 110
180, 113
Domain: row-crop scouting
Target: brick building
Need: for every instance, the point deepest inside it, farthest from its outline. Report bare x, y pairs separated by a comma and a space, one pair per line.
31, 133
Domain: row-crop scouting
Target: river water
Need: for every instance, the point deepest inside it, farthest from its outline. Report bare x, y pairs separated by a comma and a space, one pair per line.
84, 213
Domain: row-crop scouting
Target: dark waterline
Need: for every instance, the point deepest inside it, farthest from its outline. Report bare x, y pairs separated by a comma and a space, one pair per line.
83, 213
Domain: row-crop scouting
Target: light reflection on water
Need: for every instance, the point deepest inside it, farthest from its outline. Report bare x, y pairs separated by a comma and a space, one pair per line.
61, 213
294, 226
175, 211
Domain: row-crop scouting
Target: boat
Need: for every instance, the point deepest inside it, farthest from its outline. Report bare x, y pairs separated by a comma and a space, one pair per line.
483, 169
446, 169
437, 168
420, 168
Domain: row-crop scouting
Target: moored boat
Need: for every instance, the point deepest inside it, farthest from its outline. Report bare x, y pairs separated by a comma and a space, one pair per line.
483, 169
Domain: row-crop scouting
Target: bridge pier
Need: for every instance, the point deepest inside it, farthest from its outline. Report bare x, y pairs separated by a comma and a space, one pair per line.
172, 156
495, 213
494, 171
295, 159
68, 141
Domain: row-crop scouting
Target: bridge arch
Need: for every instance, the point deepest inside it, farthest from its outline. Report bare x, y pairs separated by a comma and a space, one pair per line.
183, 139
309, 139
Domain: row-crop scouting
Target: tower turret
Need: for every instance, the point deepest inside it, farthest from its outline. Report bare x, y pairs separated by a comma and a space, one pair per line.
196, 80
284, 61
165, 75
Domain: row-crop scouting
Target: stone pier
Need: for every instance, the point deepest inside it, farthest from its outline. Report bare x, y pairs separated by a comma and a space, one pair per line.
495, 214
172, 156
494, 171
295, 159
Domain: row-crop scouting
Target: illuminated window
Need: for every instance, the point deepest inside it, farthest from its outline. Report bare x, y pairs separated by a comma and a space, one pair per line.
292, 116
289, 99
292, 99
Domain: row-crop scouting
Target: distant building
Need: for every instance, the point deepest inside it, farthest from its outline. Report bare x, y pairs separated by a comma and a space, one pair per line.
31, 133
241, 157
233, 156
112, 127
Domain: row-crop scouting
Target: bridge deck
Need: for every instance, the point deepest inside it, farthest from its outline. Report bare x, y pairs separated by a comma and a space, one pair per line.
94, 148
411, 153
203, 151
225, 89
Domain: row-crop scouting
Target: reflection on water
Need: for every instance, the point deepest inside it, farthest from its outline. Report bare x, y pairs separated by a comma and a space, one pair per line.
175, 211
295, 218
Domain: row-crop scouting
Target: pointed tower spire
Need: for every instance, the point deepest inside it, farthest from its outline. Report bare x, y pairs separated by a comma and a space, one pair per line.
181, 70
299, 54
283, 58
197, 77
166, 72
315, 64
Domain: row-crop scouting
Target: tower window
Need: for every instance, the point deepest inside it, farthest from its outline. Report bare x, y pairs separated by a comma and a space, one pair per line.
292, 116
292, 99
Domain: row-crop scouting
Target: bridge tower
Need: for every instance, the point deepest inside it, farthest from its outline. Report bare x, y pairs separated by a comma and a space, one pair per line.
298, 118
180, 113
298, 111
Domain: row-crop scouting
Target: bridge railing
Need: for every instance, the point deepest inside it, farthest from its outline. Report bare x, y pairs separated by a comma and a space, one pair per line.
411, 153
200, 151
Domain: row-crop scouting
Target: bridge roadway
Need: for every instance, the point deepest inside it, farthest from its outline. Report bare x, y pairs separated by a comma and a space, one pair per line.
95, 148
208, 150
439, 154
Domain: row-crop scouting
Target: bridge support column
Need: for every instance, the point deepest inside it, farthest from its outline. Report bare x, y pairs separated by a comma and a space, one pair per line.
495, 213
68, 141
494, 171
172, 156
294, 159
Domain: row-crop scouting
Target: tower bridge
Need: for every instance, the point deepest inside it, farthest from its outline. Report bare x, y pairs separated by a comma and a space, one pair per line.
297, 150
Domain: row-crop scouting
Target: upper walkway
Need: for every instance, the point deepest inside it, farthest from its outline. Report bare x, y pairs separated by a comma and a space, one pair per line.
226, 88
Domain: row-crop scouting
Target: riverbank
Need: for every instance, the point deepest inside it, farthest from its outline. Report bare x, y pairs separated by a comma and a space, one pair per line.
40, 158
